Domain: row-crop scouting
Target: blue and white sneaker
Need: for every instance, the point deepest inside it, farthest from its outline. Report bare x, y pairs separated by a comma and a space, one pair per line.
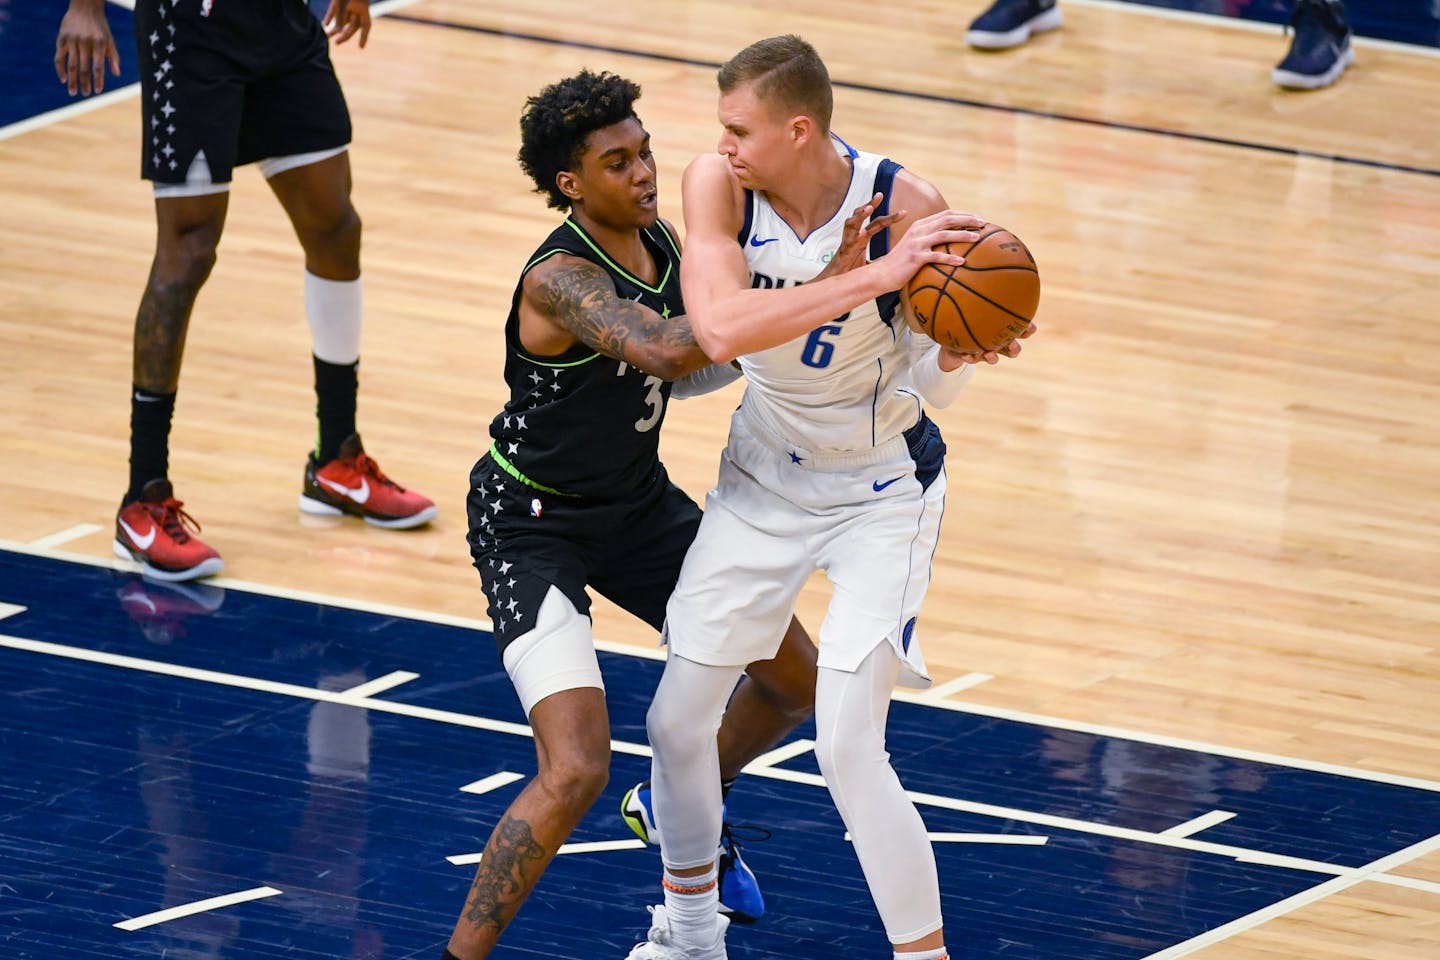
740, 896
1009, 23
1320, 50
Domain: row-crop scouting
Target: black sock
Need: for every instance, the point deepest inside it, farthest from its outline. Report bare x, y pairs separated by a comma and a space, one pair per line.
447, 955
725, 786
150, 415
335, 387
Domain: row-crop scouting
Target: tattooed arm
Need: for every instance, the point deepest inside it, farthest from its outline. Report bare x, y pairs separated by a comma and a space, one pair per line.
568, 299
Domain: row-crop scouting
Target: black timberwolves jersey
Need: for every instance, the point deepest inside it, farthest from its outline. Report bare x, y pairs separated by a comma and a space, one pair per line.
582, 423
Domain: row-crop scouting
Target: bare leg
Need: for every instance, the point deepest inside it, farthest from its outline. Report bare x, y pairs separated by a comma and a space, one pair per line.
187, 234
316, 197
572, 746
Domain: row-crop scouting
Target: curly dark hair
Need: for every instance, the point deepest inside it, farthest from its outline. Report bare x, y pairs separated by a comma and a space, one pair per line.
557, 122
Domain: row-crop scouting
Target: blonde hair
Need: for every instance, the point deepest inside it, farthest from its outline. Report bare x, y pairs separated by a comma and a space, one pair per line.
786, 70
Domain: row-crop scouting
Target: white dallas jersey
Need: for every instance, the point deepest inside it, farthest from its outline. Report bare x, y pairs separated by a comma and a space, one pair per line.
846, 385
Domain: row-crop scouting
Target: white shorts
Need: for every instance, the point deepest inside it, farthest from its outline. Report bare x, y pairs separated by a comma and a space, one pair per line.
870, 520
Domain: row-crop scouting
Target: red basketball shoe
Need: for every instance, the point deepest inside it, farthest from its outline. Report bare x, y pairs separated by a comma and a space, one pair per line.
156, 533
352, 483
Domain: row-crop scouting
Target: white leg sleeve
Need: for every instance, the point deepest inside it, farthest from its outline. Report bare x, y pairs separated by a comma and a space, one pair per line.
890, 838
685, 775
334, 309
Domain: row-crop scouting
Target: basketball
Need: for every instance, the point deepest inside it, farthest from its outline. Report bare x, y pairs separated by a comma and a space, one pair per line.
984, 303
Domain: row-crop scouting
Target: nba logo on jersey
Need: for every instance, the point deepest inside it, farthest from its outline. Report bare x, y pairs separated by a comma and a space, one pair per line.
205, 6
535, 507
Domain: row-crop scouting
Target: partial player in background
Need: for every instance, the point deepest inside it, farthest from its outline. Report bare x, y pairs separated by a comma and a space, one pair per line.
1319, 51
831, 464
225, 84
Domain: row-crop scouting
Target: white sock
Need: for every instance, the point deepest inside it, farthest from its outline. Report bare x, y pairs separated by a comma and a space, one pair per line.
937, 954
692, 904
334, 309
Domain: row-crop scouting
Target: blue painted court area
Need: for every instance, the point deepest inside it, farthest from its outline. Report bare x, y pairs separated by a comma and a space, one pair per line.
168, 744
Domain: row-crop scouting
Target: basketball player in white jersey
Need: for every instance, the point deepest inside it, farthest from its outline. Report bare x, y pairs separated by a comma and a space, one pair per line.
831, 464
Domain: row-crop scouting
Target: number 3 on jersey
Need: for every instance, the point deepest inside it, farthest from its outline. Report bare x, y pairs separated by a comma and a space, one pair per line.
654, 399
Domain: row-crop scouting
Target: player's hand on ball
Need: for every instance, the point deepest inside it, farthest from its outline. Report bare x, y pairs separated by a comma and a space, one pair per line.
923, 243
952, 359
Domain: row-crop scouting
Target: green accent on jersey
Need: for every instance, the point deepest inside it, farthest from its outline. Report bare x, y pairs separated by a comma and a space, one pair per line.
511, 469
573, 363
657, 289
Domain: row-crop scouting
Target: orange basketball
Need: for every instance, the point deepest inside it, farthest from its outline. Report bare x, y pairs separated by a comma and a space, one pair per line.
984, 303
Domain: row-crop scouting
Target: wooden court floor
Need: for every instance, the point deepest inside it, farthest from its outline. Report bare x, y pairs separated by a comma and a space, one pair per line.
1203, 503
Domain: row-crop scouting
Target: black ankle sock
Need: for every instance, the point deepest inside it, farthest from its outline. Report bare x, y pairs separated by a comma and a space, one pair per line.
725, 786
335, 387
447, 955
150, 415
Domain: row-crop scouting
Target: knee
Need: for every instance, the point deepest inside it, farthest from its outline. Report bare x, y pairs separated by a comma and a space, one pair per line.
576, 781
842, 756
674, 730
333, 237
185, 259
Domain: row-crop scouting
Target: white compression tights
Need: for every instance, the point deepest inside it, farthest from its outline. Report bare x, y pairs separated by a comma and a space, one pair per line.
850, 714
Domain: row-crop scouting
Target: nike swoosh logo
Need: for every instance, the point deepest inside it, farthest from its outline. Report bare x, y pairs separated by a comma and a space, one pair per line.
878, 486
757, 242
359, 494
142, 542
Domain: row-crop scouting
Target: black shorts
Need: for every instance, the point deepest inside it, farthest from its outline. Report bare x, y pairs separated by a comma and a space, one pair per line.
236, 80
523, 541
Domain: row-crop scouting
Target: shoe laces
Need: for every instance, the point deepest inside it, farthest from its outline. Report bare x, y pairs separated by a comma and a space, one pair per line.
731, 833
173, 519
370, 469
659, 926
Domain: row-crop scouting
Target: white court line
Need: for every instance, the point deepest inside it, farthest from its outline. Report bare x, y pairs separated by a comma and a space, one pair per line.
780, 754
1014, 839
1018, 839
943, 690
1372, 871
128, 92
602, 846
199, 906
493, 782
65, 536
284, 593
599, 846
369, 688
1160, 740
10, 609
288, 690
1203, 822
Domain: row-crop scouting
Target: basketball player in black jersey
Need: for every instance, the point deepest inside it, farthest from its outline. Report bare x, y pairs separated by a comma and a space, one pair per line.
227, 83
572, 492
